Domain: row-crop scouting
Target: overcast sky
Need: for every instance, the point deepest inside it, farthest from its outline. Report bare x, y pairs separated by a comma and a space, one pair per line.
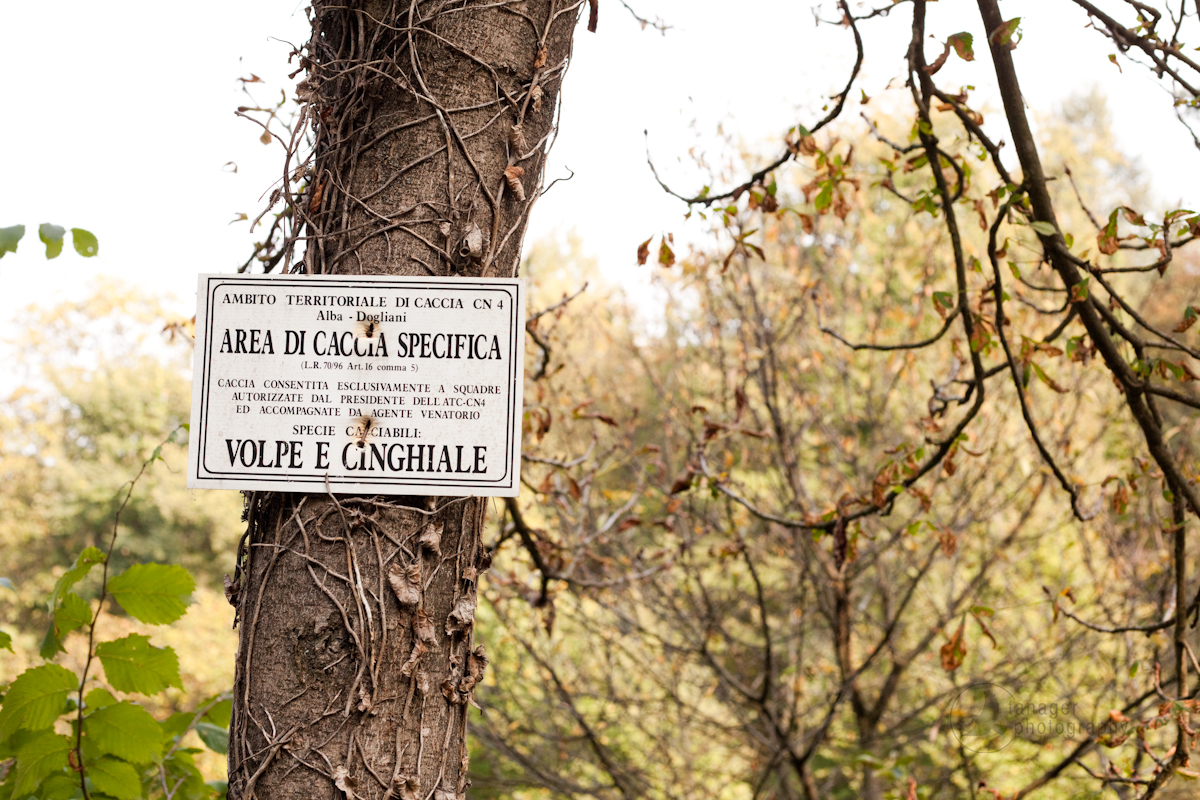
119, 118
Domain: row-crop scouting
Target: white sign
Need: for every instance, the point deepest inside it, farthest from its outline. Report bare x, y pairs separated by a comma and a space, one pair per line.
358, 384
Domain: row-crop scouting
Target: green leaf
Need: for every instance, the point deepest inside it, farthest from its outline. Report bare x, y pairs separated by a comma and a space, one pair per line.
6, 642
214, 737
132, 664
825, 197
89, 558
39, 757
1044, 228
1133, 671
961, 42
9, 238
62, 785
666, 256
1003, 35
85, 243
115, 778
52, 237
125, 730
153, 593
176, 725
36, 698
99, 698
220, 714
73, 613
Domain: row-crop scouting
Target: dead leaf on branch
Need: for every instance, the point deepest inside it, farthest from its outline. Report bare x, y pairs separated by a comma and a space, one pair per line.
463, 615
938, 63
344, 781
431, 537
512, 177
423, 625
683, 482
406, 583
643, 252
314, 202
962, 43
949, 542
954, 651
666, 256
516, 138
1190, 315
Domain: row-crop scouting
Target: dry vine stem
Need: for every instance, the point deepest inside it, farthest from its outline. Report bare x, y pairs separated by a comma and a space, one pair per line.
430, 124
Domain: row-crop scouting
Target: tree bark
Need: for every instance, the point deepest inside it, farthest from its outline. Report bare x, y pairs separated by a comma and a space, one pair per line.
357, 656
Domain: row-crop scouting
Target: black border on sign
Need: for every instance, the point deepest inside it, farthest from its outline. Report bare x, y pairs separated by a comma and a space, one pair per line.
505, 481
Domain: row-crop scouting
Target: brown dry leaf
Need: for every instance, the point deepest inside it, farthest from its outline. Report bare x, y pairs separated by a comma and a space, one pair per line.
516, 138
477, 662
954, 651
344, 781
406, 583
431, 537
938, 62
626, 524
512, 177
986, 631
807, 223
423, 625
643, 252
408, 787
314, 202
923, 496
540, 61
739, 399
463, 615
666, 256
573, 488
948, 541
1107, 243
536, 94
983, 223
682, 483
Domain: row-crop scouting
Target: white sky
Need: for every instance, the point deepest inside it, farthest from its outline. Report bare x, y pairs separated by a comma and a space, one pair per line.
118, 117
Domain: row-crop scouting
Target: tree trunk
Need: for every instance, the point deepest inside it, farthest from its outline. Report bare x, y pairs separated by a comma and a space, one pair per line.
357, 658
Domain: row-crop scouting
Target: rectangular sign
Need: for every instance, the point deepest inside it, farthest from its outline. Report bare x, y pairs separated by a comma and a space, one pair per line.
358, 384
